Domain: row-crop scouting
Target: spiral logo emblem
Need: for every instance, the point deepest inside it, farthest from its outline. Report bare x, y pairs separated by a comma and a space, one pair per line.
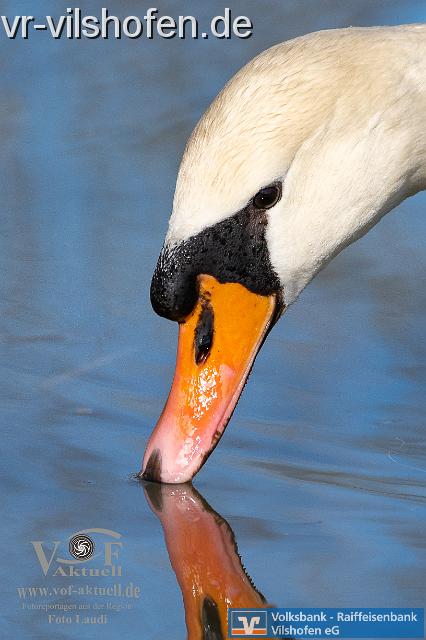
81, 547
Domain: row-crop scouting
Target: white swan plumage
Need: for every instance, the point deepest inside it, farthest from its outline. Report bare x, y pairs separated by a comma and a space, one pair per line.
338, 119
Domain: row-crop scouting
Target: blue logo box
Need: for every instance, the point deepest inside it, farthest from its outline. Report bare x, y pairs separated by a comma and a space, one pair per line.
326, 623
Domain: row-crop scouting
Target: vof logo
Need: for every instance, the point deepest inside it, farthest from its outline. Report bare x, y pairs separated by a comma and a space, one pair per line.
81, 547
248, 623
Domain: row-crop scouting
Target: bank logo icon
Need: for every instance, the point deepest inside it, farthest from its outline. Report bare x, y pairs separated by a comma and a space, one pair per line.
248, 623
81, 547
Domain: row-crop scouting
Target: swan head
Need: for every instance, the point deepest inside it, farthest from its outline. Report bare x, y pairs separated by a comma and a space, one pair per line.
284, 169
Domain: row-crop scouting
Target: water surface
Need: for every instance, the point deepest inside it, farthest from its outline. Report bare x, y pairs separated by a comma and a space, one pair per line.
321, 474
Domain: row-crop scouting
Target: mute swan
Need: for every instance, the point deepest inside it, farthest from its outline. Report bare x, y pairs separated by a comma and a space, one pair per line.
302, 152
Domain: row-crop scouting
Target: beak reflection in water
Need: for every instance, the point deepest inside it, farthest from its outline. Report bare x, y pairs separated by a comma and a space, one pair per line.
217, 346
204, 556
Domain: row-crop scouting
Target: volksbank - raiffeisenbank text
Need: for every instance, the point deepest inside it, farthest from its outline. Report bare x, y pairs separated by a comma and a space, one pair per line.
326, 623
75, 25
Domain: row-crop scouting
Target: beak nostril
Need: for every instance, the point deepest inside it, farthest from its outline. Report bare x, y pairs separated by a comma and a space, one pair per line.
204, 331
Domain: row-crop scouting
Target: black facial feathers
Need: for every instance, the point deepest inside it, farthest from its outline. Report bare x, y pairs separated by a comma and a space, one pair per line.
233, 250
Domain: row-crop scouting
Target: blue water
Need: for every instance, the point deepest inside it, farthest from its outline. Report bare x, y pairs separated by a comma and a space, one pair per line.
322, 472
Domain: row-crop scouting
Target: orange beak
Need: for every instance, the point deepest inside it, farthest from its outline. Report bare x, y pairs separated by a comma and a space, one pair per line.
203, 553
217, 346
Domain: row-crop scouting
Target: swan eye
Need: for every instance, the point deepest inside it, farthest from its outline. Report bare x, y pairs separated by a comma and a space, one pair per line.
267, 197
